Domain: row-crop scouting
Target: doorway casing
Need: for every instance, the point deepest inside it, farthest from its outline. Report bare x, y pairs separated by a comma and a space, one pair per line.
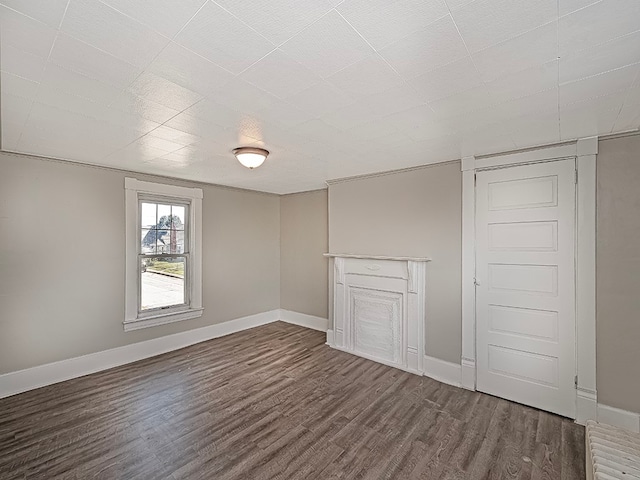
584, 151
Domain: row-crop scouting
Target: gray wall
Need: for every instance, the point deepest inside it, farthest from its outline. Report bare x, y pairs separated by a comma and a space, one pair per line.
303, 240
62, 259
412, 213
618, 273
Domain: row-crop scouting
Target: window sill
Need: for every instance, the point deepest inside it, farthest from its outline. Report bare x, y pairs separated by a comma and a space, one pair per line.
161, 319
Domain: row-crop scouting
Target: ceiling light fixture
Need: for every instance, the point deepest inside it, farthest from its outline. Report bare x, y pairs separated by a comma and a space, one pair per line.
251, 157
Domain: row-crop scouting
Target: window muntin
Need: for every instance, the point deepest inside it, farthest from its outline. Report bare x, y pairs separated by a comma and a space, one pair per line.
164, 255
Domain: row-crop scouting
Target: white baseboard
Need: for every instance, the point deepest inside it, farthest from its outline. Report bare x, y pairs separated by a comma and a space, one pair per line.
619, 418
468, 375
445, 372
586, 405
30, 378
304, 320
330, 337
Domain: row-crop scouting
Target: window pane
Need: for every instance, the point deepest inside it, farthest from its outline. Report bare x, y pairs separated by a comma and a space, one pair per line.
148, 241
164, 215
162, 282
148, 215
178, 213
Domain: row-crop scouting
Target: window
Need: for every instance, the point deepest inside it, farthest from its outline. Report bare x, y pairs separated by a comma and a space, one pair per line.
163, 264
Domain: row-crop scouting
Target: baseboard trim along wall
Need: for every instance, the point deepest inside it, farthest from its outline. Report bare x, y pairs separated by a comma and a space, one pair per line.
28, 379
42, 375
619, 418
304, 320
443, 371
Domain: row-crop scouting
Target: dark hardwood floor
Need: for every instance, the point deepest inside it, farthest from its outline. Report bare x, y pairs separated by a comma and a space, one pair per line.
275, 402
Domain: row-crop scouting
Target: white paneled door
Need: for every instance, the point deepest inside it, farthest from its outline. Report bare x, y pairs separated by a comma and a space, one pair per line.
525, 284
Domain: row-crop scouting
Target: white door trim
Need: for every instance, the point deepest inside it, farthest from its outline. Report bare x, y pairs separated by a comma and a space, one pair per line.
585, 150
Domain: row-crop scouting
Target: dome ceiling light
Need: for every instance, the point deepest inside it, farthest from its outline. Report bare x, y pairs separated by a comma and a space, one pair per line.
251, 157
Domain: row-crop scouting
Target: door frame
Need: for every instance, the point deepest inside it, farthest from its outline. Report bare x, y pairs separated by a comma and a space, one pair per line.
585, 151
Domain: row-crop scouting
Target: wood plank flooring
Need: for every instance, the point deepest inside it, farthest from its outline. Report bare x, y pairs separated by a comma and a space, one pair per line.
274, 402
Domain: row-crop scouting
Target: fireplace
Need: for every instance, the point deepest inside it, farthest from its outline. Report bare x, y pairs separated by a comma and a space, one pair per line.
379, 309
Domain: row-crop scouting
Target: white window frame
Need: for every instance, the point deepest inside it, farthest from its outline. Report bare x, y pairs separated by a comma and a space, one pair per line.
134, 191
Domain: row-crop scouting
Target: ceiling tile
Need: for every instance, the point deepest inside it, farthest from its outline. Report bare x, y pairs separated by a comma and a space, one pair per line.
598, 85
107, 29
59, 78
327, 46
15, 109
320, 99
283, 113
67, 101
244, 98
412, 118
569, 6
423, 51
162, 91
595, 116
525, 82
89, 61
189, 70
206, 132
136, 152
601, 58
150, 110
220, 37
280, 75
487, 22
214, 112
373, 131
368, 108
598, 23
383, 22
11, 132
45, 11
173, 135
472, 99
25, 33
366, 77
545, 101
458, 4
277, 20
528, 50
18, 86
445, 81
629, 117
533, 130
157, 143
164, 16
487, 139
23, 64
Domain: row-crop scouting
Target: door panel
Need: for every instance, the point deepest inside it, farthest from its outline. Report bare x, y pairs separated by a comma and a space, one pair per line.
525, 293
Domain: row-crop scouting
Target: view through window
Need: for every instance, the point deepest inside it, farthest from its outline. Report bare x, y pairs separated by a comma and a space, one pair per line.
164, 254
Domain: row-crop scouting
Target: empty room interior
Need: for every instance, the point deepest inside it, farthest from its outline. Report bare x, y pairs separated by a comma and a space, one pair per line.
319, 239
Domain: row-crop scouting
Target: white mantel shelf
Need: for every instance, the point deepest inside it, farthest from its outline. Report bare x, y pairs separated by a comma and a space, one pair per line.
377, 257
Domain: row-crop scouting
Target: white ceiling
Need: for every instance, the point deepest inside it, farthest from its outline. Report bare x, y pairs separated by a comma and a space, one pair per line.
332, 88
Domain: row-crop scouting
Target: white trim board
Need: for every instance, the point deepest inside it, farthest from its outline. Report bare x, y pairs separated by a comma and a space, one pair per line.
304, 320
23, 380
442, 371
619, 418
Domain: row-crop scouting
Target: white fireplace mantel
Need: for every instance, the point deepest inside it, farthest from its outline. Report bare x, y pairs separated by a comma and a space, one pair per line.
379, 308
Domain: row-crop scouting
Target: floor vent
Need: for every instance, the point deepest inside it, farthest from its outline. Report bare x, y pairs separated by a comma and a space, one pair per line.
611, 453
